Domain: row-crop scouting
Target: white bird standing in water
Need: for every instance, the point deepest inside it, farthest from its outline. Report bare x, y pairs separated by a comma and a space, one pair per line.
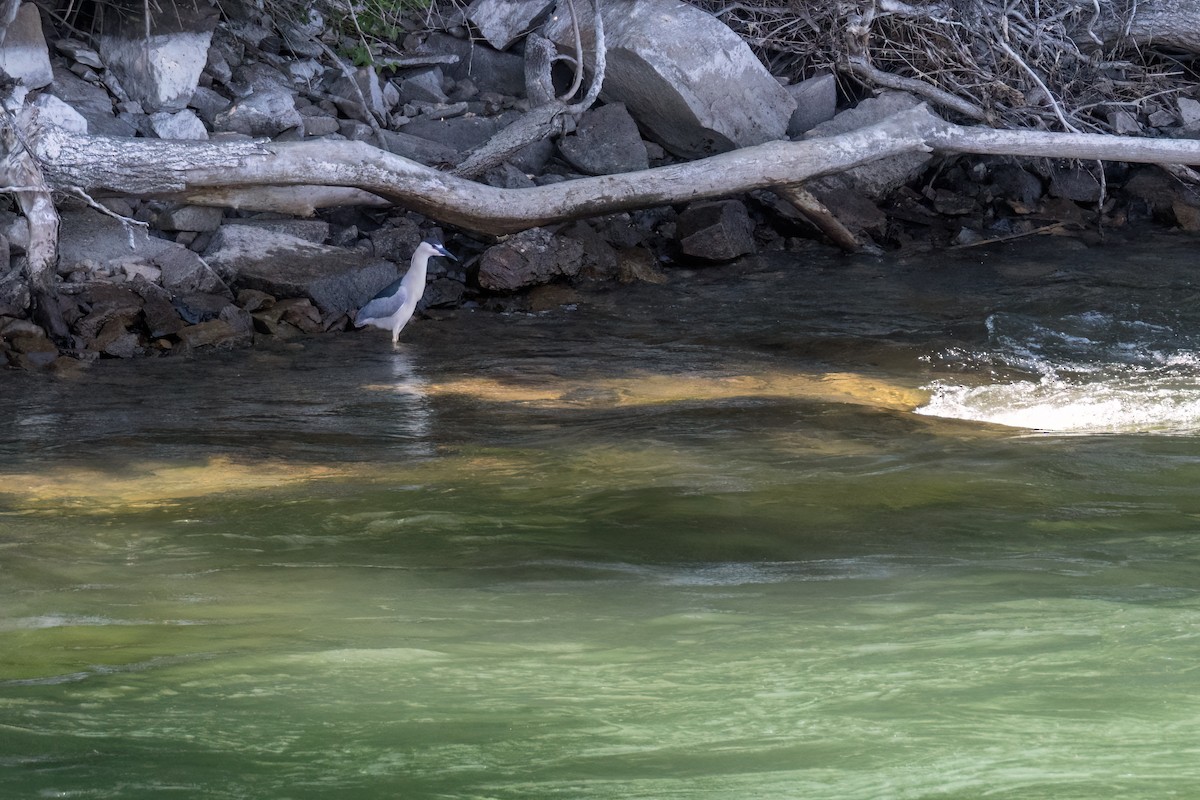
393, 307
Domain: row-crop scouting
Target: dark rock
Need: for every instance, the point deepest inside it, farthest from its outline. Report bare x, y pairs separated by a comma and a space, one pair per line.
1123, 123
252, 300
1074, 183
599, 261
318, 123
1161, 119
300, 313
216, 334
87, 238
716, 231
816, 103
239, 320
527, 259
506, 176
32, 351
952, 203
355, 131
397, 241
442, 292
460, 133
359, 95
1017, 186
190, 218
208, 104
606, 141
116, 340
532, 158
464, 90
621, 230
183, 271
107, 302
638, 265
159, 314
197, 307
14, 289
490, 69
419, 149
424, 86
855, 210
335, 279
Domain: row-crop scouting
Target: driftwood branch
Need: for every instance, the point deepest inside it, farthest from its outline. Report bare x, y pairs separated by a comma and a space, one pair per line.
152, 167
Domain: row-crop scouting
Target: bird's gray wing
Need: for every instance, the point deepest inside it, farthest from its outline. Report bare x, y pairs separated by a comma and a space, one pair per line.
383, 305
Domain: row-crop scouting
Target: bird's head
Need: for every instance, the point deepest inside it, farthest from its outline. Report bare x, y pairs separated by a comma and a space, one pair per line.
433, 249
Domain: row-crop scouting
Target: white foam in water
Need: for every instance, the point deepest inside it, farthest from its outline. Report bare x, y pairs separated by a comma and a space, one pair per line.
1056, 405
1106, 382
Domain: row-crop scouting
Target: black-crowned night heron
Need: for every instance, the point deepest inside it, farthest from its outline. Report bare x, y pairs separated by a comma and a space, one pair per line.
393, 307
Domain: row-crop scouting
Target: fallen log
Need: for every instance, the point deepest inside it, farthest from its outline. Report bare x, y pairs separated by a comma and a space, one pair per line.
155, 168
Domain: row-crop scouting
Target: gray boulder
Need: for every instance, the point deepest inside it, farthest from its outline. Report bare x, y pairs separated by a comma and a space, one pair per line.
878, 177
162, 70
502, 22
178, 125
816, 102
91, 101
53, 111
24, 54
350, 91
423, 86
528, 259
337, 280
691, 83
88, 238
606, 141
267, 112
418, 148
716, 231
460, 133
190, 218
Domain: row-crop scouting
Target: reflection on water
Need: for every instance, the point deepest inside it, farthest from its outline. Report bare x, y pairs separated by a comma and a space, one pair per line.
681, 541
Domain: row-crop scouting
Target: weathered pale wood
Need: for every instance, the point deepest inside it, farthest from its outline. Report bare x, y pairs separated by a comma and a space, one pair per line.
151, 167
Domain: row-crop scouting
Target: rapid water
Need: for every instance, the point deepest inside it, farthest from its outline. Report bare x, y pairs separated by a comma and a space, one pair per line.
796, 528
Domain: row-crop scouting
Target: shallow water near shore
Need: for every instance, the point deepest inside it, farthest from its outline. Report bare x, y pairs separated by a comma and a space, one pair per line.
800, 527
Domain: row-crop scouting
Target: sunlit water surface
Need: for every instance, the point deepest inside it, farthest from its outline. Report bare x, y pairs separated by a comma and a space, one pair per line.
688, 541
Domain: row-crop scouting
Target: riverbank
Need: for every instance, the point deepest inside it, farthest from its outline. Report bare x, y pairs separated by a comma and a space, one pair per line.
145, 278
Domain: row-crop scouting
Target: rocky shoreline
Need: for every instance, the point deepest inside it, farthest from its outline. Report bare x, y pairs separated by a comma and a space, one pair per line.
157, 277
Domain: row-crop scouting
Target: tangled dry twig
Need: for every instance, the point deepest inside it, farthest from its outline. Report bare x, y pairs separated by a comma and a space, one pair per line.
1038, 64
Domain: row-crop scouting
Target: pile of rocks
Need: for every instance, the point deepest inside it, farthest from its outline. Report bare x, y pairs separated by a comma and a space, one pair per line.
147, 277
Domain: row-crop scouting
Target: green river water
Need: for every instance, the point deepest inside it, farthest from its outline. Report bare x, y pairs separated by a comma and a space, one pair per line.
803, 527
